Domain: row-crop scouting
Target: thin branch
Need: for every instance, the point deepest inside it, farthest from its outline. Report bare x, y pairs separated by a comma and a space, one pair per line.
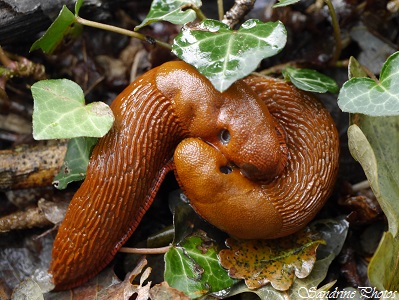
337, 32
123, 31
277, 69
161, 250
238, 12
360, 186
220, 9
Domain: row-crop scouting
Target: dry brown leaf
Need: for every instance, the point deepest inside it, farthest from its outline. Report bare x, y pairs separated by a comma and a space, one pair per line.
125, 289
163, 291
277, 261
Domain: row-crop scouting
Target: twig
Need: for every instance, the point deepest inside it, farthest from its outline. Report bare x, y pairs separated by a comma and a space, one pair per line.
277, 69
161, 250
361, 186
29, 218
220, 9
31, 166
119, 30
337, 32
238, 12
8, 63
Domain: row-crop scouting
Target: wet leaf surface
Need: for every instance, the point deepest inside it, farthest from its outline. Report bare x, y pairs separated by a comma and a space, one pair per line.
193, 267
224, 55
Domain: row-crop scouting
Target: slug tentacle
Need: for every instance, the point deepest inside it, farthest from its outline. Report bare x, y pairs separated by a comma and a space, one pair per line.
152, 115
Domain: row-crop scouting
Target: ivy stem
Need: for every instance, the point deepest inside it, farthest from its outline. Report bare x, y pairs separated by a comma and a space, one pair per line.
277, 68
123, 31
161, 250
220, 9
198, 11
337, 32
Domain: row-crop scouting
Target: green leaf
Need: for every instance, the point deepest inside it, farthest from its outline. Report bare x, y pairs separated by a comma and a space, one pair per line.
63, 25
224, 55
59, 111
75, 162
366, 96
171, 11
310, 80
282, 3
193, 267
355, 69
374, 142
78, 5
383, 269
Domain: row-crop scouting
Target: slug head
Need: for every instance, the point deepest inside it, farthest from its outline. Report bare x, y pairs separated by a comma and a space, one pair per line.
236, 121
222, 195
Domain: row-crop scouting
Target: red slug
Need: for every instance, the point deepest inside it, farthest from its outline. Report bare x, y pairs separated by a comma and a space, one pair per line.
255, 210
152, 116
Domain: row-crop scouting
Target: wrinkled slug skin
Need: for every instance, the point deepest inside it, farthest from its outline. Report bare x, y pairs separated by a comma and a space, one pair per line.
152, 115
252, 210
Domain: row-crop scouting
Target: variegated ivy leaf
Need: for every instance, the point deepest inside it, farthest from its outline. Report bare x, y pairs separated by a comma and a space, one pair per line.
59, 111
224, 55
174, 11
310, 80
373, 98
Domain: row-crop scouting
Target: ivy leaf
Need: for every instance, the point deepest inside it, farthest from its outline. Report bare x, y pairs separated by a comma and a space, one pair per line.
355, 69
282, 3
334, 232
59, 111
171, 11
224, 55
374, 142
310, 80
64, 25
75, 162
78, 5
193, 268
277, 261
366, 96
383, 268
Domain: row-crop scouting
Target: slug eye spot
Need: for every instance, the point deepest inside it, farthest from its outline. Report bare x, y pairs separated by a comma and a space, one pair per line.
225, 136
226, 169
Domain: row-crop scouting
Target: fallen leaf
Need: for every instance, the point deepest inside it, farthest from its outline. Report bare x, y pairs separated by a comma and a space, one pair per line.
277, 261
165, 292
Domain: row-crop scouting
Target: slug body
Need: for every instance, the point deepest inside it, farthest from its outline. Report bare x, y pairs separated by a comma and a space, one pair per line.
152, 116
257, 210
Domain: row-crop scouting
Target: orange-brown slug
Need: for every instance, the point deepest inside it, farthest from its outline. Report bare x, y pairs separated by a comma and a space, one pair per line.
152, 116
260, 210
